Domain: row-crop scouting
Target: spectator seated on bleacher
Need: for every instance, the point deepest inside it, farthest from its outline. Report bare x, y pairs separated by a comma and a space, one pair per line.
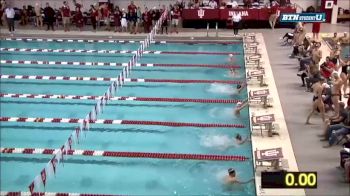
298, 41
339, 130
327, 68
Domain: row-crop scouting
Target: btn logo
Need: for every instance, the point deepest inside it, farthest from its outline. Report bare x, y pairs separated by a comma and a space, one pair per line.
201, 13
303, 17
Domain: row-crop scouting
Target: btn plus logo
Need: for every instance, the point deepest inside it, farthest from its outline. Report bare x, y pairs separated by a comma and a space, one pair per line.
303, 17
201, 13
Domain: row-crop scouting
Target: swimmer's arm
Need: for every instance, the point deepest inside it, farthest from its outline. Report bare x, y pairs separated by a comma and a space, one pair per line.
245, 182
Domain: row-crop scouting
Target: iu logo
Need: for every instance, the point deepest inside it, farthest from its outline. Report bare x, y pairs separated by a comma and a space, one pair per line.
201, 13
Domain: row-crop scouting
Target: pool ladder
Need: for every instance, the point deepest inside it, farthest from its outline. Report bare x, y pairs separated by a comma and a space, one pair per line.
216, 29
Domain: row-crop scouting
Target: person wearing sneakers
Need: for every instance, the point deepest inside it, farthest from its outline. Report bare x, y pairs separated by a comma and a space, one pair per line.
175, 19
65, 11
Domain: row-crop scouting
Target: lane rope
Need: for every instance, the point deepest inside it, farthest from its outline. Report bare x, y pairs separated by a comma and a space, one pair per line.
120, 122
116, 64
152, 155
110, 51
91, 97
123, 41
138, 80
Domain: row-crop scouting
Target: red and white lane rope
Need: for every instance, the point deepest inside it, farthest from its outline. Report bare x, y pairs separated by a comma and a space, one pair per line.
3, 193
74, 78
117, 64
120, 122
123, 41
152, 155
110, 51
89, 97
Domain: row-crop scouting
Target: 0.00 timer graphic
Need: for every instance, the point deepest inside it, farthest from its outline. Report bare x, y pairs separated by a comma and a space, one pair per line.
285, 179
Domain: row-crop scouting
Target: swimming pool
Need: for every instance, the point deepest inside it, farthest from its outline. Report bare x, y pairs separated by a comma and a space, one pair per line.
109, 175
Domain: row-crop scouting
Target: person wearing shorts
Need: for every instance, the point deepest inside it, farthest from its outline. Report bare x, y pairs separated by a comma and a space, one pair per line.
175, 19
65, 11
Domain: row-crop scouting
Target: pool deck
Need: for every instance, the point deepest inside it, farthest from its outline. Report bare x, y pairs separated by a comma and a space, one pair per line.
297, 140
282, 140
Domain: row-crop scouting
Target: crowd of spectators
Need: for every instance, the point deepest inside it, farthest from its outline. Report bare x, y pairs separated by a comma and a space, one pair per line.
133, 19
329, 83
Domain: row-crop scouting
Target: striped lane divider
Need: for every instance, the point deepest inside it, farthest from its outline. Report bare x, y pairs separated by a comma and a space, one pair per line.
138, 80
122, 41
152, 155
122, 122
157, 99
110, 51
117, 64
4, 193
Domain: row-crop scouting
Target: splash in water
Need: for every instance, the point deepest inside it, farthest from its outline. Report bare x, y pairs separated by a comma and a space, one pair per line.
221, 142
221, 113
221, 89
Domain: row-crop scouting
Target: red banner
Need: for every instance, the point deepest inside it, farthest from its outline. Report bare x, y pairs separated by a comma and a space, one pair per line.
225, 14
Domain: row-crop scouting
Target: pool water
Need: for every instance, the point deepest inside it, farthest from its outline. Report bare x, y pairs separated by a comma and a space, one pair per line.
130, 176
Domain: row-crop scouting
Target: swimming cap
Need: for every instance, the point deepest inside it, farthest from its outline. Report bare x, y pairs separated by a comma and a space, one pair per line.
231, 170
230, 55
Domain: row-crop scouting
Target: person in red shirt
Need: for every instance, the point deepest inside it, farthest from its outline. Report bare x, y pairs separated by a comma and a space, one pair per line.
93, 16
327, 68
78, 17
132, 7
65, 11
316, 27
117, 19
147, 21
175, 19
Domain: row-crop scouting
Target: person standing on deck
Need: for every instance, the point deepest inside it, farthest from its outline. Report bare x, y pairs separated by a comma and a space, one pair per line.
65, 11
236, 20
10, 17
49, 16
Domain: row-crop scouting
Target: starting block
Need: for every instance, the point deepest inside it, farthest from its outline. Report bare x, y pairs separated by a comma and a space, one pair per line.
258, 74
264, 122
260, 96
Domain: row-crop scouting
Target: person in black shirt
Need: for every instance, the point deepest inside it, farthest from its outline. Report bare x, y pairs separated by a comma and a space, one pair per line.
49, 16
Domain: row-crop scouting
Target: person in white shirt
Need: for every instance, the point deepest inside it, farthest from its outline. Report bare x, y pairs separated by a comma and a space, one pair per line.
213, 4
10, 17
205, 3
236, 19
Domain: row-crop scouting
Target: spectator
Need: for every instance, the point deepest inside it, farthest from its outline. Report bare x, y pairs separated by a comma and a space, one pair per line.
165, 21
49, 14
132, 19
336, 92
78, 17
175, 19
335, 37
65, 12
106, 12
313, 75
1, 13
24, 16
318, 104
38, 15
124, 21
10, 17
335, 53
153, 16
274, 15
213, 4
131, 10
139, 20
333, 121
93, 16
117, 19
345, 39
147, 22
344, 75
339, 130
316, 27
327, 68
236, 20
298, 41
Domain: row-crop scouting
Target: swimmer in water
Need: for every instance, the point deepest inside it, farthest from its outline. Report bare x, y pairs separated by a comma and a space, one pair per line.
231, 60
232, 179
239, 140
240, 87
240, 106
